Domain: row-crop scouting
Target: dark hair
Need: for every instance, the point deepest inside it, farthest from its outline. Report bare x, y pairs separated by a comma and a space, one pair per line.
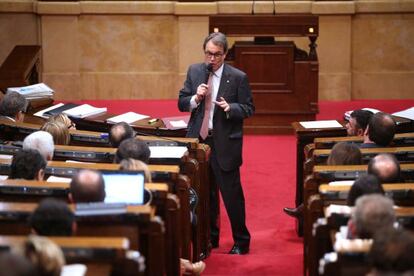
381, 129
362, 118
12, 104
52, 218
366, 184
385, 167
393, 251
120, 132
218, 39
345, 153
133, 148
26, 164
87, 186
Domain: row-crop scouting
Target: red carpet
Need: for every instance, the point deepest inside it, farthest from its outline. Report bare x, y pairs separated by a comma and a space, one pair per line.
268, 177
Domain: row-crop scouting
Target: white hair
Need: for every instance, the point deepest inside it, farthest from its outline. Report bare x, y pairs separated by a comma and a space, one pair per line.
41, 141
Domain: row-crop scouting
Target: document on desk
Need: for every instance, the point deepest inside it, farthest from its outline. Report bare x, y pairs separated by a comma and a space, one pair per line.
321, 124
34, 91
84, 110
42, 114
167, 152
407, 113
128, 118
59, 179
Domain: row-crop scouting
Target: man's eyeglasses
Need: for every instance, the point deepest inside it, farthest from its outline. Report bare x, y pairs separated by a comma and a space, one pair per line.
215, 55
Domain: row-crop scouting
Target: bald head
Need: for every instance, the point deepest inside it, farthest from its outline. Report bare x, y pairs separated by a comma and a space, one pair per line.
386, 167
120, 132
381, 129
87, 186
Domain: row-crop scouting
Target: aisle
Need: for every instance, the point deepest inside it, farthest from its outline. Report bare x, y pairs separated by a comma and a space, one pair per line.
268, 178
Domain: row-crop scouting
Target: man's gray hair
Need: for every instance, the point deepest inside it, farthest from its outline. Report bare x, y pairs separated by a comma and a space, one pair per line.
372, 213
12, 104
218, 39
41, 141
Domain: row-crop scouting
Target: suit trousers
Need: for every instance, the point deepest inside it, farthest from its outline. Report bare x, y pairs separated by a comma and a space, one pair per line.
231, 191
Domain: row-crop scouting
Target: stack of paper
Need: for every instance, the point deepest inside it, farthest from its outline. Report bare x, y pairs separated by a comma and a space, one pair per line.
84, 110
128, 118
35, 91
321, 124
406, 113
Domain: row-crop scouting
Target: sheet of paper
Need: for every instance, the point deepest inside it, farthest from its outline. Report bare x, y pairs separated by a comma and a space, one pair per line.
3, 177
41, 112
84, 110
407, 113
74, 270
167, 152
341, 183
6, 156
321, 124
337, 209
59, 179
34, 89
128, 118
179, 124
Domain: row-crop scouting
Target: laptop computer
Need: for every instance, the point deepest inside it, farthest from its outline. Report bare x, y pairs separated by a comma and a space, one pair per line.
124, 187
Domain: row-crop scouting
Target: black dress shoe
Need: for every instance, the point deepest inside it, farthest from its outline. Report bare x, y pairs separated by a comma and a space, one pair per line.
239, 250
294, 212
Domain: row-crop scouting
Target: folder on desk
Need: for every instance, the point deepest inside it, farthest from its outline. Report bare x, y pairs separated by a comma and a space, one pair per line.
59, 109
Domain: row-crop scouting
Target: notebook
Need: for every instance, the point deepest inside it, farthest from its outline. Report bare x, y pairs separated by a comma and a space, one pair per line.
60, 109
124, 187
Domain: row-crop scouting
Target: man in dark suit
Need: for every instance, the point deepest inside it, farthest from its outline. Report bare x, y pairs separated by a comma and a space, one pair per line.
219, 98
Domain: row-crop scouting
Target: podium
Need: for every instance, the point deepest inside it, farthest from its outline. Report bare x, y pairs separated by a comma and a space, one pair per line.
283, 78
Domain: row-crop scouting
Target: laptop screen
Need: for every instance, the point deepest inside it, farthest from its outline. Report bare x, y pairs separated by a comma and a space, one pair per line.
124, 187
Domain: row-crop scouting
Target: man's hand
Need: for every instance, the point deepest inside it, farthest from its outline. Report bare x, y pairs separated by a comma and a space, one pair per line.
202, 91
223, 104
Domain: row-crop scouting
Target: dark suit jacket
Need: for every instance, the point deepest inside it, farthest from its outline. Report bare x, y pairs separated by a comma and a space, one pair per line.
227, 128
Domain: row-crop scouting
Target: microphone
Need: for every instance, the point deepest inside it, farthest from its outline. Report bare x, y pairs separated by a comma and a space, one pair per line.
253, 7
209, 69
274, 7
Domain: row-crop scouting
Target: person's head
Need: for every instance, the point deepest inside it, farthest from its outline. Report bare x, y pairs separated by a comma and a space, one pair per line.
87, 186
44, 254
344, 153
381, 129
13, 105
130, 164
358, 122
59, 132
41, 141
215, 49
63, 118
120, 132
133, 148
386, 167
27, 164
53, 217
392, 252
14, 264
364, 185
372, 213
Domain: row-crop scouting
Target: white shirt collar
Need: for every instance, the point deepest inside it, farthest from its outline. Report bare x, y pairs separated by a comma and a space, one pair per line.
219, 71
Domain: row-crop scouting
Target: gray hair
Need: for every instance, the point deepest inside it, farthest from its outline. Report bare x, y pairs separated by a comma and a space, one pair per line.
41, 141
218, 39
372, 213
12, 104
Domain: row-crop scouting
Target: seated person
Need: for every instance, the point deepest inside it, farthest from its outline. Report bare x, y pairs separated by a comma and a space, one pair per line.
372, 213
133, 148
344, 153
28, 164
87, 186
63, 118
13, 106
358, 122
53, 217
380, 131
44, 254
120, 132
385, 167
41, 141
59, 132
364, 185
392, 253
